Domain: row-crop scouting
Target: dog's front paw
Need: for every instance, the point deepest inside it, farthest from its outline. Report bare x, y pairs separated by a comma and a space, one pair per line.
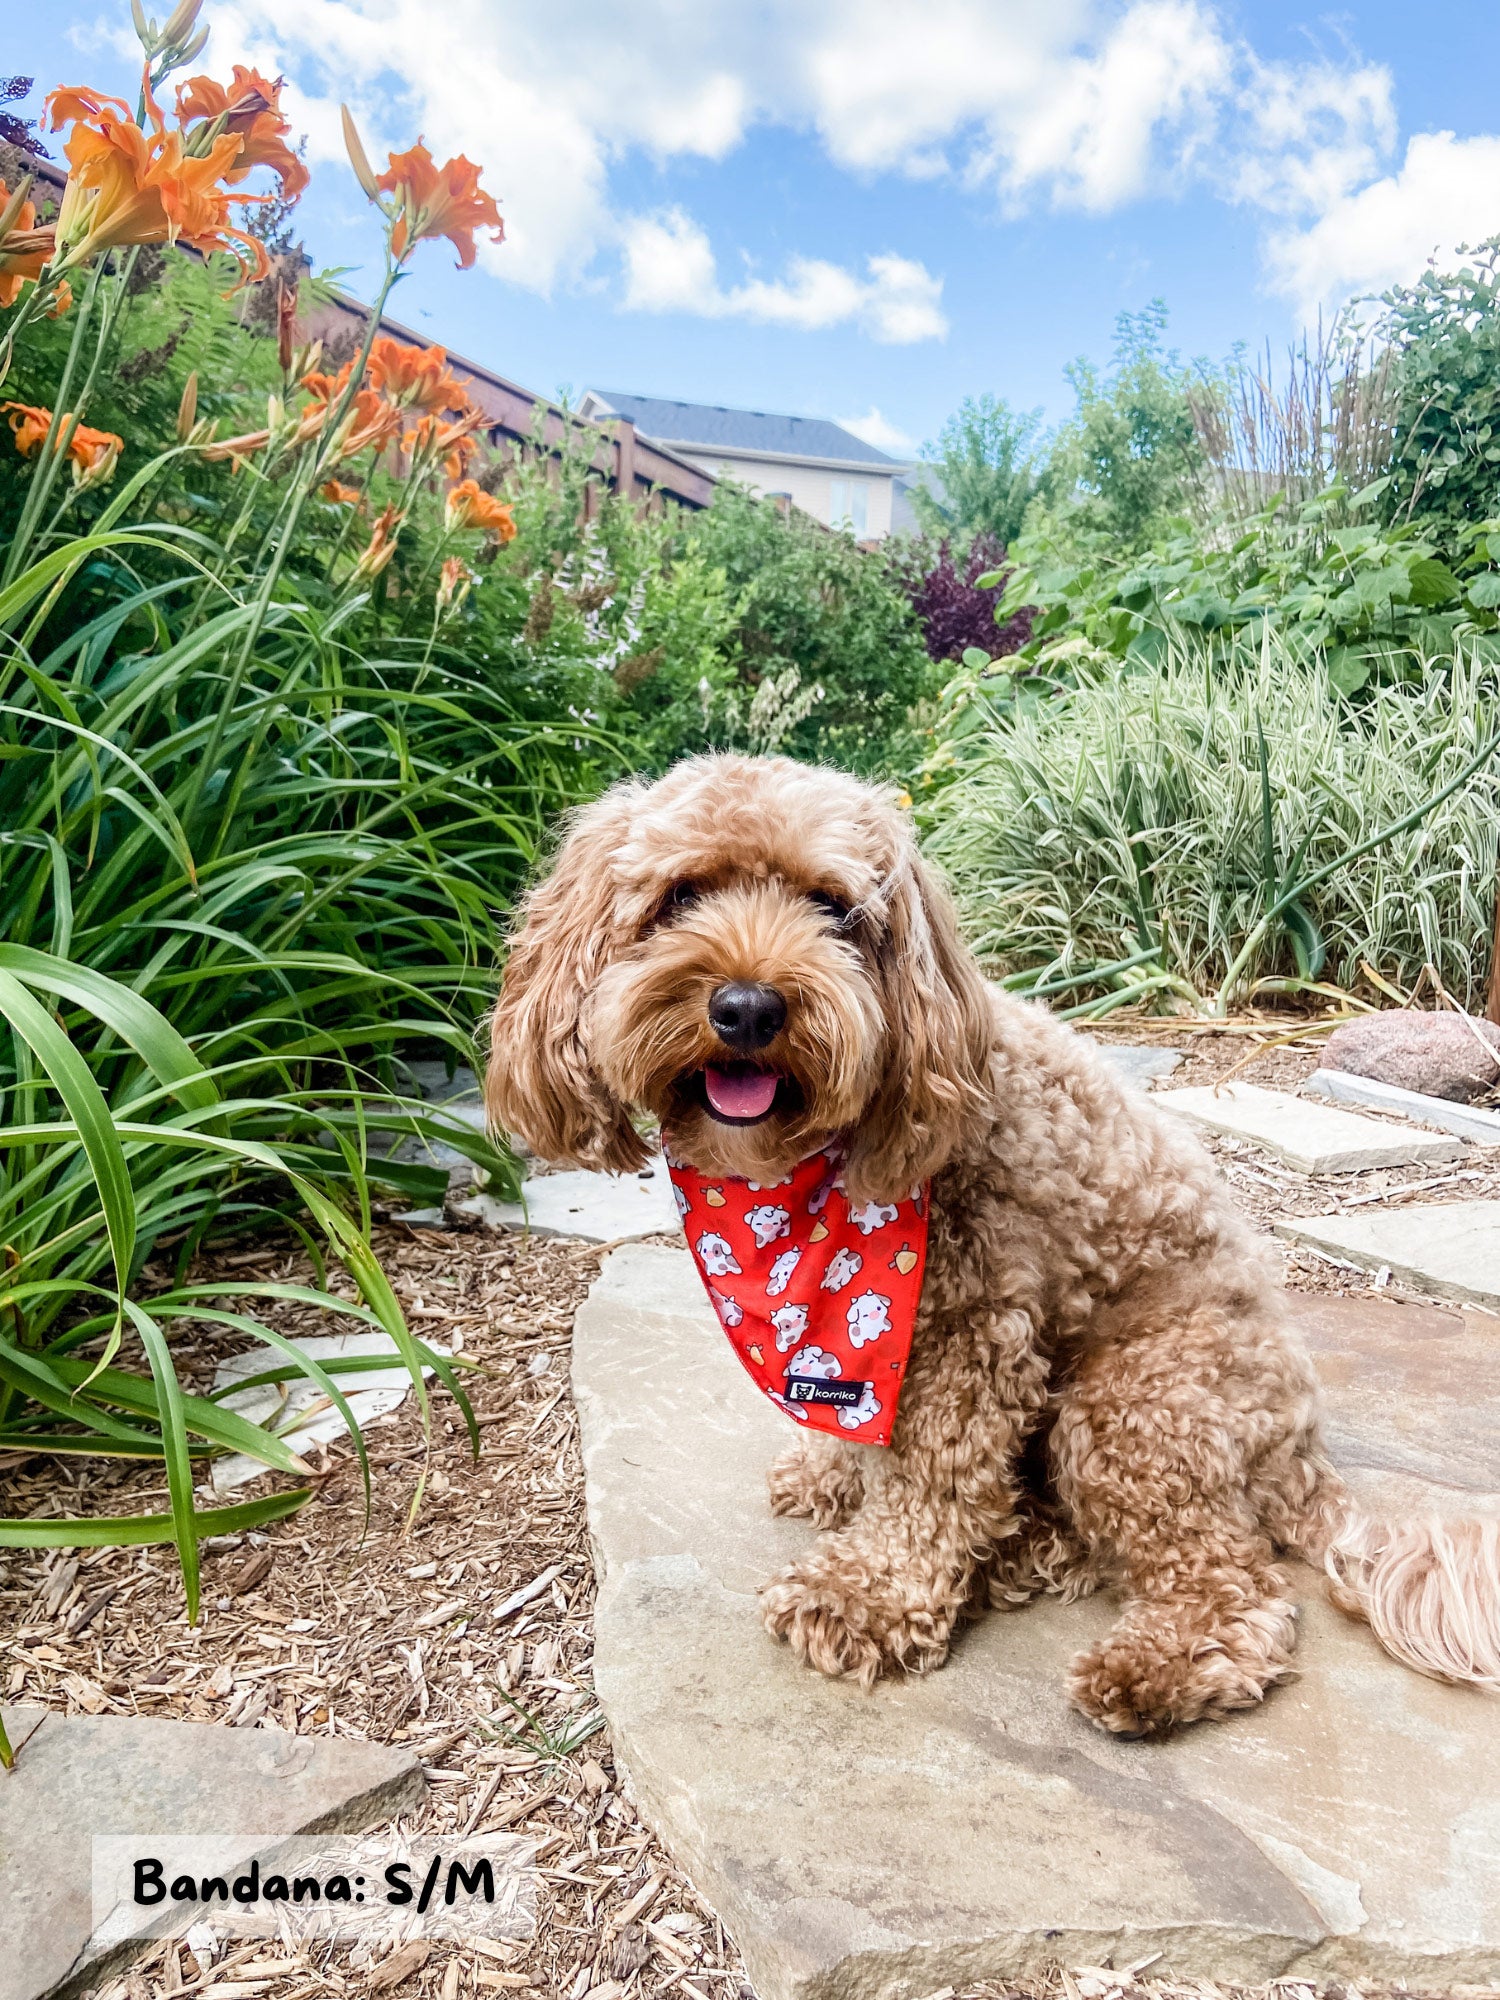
846, 1622
813, 1484
1155, 1672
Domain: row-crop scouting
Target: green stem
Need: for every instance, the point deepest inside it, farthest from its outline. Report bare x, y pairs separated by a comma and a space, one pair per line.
281, 536
51, 454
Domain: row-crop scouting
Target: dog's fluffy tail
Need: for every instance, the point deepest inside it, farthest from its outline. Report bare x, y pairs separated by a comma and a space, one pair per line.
1428, 1589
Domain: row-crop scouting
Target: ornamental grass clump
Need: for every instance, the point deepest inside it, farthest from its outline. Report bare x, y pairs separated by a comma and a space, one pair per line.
1217, 833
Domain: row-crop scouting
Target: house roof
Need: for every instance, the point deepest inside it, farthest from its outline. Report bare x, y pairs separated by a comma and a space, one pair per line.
712, 427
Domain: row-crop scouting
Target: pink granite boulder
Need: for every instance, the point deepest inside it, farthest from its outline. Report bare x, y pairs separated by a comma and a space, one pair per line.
1439, 1054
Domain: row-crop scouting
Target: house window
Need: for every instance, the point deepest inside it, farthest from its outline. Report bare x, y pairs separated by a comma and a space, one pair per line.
848, 504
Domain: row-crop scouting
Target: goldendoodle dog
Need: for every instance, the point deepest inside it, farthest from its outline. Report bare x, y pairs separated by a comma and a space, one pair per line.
1102, 1390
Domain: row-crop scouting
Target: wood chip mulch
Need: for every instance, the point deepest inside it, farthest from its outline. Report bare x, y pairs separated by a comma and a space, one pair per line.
465, 1632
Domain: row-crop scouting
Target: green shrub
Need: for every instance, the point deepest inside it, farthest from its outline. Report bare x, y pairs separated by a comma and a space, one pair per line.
1325, 578
820, 627
1161, 815
1444, 334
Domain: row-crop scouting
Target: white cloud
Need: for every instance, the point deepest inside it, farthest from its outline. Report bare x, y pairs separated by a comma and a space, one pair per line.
875, 428
1082, 104
1445, 193
670, 267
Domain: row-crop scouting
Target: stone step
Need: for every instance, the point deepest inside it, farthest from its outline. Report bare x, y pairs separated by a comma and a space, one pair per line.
597, 1208
1467, 1120
1448, 1249
1308, 1137
969, 1825
79, 1775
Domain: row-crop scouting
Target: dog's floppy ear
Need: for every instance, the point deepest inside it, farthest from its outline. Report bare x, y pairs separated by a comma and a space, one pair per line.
939, 1026
540, 1082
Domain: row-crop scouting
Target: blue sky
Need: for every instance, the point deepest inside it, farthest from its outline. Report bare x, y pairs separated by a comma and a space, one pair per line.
867, 209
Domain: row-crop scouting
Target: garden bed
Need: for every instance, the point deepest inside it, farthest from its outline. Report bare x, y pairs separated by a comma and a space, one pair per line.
396, 1638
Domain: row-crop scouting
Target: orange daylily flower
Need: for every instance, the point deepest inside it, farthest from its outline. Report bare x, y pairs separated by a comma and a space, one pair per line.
451, 441
458, 453
29, 425
455, 582
438, 201
73, 102
25, 250
371, 420
381, 546
469, 506
337, 494
415, 378
94, 453
250, 107
326, 389
128, 186
373, 425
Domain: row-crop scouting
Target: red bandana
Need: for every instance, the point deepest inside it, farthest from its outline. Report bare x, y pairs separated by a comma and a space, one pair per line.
818, 1299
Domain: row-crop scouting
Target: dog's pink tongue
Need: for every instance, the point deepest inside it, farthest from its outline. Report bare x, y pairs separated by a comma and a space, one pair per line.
740, 1093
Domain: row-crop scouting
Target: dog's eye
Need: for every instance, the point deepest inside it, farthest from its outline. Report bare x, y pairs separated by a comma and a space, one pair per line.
839, 914
681, 896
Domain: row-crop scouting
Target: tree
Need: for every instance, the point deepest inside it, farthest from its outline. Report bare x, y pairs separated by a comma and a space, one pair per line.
1130, 457
987, 471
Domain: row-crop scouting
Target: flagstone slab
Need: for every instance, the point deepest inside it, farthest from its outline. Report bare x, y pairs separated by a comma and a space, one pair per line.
1137, 1064
369, 1395
1410, 1395
79, 1775
1307, 1137
1448, 1249
1467, 1120
596, 1208
970, 1824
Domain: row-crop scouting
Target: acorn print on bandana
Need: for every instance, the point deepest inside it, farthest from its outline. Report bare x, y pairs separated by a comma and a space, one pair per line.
817, 1297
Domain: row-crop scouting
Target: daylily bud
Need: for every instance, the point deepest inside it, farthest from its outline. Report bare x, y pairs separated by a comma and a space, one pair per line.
12, 209
180, 22
144, 29
187, 409
196, 46
286, 324
364, 173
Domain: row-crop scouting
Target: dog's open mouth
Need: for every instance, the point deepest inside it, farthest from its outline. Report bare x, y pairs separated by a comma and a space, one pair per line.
740, 1094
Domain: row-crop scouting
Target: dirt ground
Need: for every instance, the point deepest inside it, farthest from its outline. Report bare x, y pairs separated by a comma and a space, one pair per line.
466, 1631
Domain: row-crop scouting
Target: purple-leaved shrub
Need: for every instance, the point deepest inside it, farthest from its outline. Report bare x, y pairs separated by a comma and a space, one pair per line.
952, 609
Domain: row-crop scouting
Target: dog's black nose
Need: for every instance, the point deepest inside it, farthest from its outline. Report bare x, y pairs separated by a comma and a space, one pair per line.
746, 1015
